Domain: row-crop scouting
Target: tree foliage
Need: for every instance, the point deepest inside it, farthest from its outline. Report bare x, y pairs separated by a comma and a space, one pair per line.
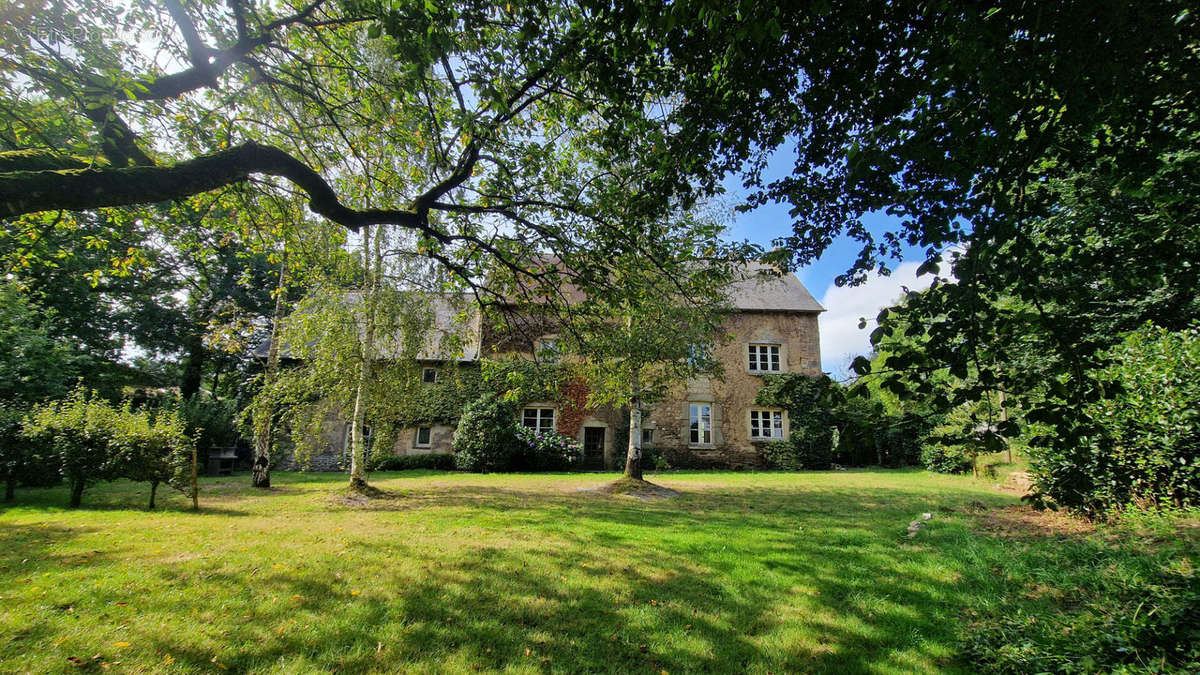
90, 440
809, 402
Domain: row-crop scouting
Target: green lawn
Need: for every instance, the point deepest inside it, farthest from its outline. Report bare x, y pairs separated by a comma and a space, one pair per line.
756, 572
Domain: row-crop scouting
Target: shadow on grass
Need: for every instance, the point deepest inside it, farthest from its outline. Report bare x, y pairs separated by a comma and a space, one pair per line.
816, 583
804, 578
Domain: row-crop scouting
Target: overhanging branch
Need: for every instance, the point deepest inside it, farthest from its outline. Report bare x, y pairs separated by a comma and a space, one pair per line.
23, 192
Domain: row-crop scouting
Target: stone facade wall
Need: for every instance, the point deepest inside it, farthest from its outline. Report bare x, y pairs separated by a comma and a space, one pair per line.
732, 394
330, 454
440, 438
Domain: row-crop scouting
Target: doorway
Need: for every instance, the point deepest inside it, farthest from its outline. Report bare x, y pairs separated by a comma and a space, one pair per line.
593, 448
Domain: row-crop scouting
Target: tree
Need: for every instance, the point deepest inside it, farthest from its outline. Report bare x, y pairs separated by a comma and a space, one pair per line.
354, 352
1045, 151
471, 127
78, 431
656, 324
150, 446
34, 365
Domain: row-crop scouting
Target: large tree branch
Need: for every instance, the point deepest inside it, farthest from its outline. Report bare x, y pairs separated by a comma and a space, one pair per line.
117, 141
80, 189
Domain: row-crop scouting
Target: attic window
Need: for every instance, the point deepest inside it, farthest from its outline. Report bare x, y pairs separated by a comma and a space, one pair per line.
764, 358
429, 375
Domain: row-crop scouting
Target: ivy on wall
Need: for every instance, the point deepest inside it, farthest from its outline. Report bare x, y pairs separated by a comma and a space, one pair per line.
574, 406
808, 402
442, 402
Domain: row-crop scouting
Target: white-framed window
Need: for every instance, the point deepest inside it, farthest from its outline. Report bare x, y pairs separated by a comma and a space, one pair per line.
700, 423
423, 438
540, 419
429, 375
764, 358
647, 436
766, 424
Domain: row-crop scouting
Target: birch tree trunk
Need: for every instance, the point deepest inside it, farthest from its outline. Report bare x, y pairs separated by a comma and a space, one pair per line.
261, 472
358, 452
633, 458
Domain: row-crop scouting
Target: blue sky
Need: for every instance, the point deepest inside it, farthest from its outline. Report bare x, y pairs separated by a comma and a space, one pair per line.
841, 339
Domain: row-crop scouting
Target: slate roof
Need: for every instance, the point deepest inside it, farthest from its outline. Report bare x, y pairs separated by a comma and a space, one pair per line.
456, 331
453, 336
763, 289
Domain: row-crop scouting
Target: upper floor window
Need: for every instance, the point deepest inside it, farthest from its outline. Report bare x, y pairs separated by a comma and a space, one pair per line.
429, 375
540, 419
766, 424
700, 423
548, 349
764, 358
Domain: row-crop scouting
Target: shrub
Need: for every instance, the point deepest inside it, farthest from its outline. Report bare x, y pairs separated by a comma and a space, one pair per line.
856, 419
430, 461
151, 447
808, 401
899, 439
1143, 441
78, 431
486, 436
781, 455
545, 451
655, 458
945, 458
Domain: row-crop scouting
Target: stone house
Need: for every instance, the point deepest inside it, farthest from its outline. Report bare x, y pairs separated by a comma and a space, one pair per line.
705, 422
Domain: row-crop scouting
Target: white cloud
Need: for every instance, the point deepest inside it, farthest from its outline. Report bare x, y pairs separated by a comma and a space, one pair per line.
841, 338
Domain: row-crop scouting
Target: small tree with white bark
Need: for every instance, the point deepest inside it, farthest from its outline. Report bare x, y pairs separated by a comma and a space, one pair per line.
657, 323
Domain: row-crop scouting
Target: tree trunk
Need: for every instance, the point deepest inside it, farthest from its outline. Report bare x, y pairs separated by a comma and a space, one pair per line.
76, 493
1004, 418
10, 487
358, 452
216, 381
195, 481
261, 472
633, 457
153, 491
193, 366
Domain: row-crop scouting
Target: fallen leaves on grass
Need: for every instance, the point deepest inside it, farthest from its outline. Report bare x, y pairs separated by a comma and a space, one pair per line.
1023, 522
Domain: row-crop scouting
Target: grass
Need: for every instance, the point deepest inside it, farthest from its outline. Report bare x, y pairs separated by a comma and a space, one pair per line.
745, 572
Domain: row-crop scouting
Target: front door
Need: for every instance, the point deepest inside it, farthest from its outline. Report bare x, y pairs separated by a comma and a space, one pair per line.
593, 448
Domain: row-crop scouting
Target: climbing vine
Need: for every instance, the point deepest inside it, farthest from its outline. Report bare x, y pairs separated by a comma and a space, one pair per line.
574, 395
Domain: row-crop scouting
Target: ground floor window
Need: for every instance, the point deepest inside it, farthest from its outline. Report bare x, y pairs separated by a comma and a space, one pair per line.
766, 424
700, 423
647, 436
423, 437
541, 419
